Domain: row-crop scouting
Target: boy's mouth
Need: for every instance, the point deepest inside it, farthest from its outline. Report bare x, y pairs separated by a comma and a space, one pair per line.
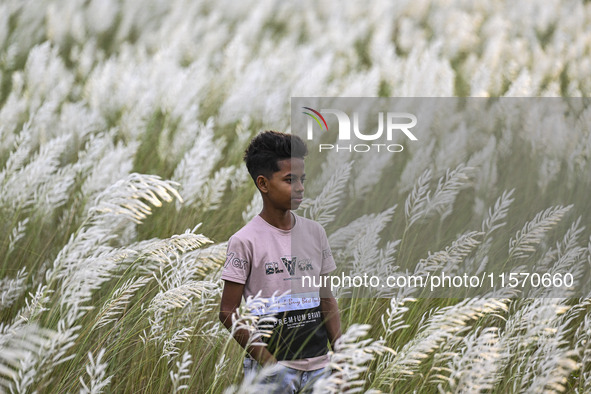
297, 199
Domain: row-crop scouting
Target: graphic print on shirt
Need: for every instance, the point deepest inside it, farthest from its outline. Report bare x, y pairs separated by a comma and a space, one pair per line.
305, 264
298, 334
272, 268
289, 264
236, 261
298, 331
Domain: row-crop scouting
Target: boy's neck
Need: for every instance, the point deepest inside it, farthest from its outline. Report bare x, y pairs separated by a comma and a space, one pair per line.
283, 220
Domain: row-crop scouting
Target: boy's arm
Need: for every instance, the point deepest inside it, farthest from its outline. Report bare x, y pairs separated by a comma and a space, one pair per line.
231, 298
330, 314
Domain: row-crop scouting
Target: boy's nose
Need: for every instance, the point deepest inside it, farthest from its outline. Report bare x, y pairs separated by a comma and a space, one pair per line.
299, 186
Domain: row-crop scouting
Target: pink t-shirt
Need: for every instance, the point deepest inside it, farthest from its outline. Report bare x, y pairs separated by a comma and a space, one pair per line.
274, 261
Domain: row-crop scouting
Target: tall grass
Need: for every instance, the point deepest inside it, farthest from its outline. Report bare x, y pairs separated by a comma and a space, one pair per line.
122, 127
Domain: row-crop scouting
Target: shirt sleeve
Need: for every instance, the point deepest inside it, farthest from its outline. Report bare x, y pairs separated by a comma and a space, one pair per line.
237, 265
328, 264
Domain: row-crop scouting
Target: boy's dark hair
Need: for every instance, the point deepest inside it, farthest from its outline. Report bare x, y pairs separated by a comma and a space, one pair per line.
267, 148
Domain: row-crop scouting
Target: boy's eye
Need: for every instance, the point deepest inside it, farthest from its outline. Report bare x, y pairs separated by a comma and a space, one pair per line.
289, 180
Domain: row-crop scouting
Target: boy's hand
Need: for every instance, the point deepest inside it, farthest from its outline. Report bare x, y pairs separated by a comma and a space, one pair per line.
262, 356
330, 313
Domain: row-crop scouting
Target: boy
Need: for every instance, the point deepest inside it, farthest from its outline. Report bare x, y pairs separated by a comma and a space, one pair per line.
271, 254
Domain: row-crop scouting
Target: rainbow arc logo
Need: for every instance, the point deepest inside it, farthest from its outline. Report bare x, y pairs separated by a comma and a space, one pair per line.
318, 115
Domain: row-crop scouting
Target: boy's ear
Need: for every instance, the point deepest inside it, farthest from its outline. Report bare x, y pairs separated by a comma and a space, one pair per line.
262, 183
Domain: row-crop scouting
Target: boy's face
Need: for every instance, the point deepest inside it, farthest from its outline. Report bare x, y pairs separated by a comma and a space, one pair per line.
285, 188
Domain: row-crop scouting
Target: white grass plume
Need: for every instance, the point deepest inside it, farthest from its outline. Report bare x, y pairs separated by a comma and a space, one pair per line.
35, 304
45, 354
323, 207
104, 162
19, 349
158, 253
256, 317
116, 206
446, 324
113, 309
532, 232
173, 148
20, 187
350, 360
357, 246
253, 208
198, 163
46, 76
474, 368
447, 189
171, 346
571, 237
582, 342
220, 369
567, 258
205, 262
12, 289
448, 260
393, 318
85, 263
416, 202
18, 232
79, 281
126, 197
365, 251
420, 204
54, 194
552, 360
415, 167
185, 296
24, 376
344, 239
498, 213
387, 259
96, 370
486, 162
477, 263
209, 196
181, 374
19, 156
529, 333
174, 299
554, 364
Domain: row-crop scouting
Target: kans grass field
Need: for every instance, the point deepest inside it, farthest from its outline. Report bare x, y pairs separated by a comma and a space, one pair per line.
122, 126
